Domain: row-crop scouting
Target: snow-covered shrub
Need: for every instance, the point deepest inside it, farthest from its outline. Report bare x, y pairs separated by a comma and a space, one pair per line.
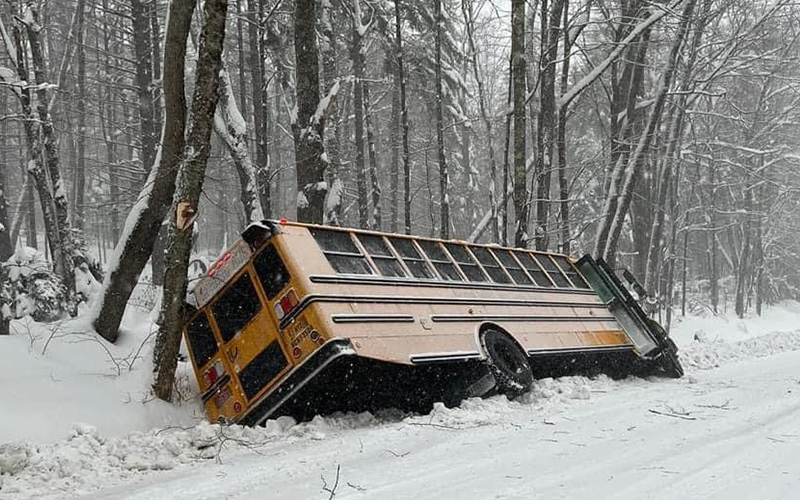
31, 288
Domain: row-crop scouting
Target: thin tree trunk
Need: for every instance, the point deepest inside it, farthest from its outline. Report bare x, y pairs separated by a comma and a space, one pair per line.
188, 190
521, 206
444, 182
357, 56
403, 118
143, 52
80, 108
394, 132
469, 21
231, 127
260, 104
547, 128
375, 187
333, 206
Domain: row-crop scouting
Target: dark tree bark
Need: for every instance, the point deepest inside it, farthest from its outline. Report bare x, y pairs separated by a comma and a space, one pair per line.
309, 126
521, 205
143, 51
260, 104
444, 182
357, 56
61, 242
80, 108
188, 189
144, 220
401, 75
328, 49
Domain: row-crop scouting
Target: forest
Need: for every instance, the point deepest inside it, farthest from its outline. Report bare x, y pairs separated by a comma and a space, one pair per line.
138, 138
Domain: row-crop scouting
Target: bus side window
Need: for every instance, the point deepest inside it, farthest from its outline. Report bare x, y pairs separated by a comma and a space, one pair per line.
440, 260
536, 272
512, 266
201, 340
491, 265
381, 255
414, 261
236, 307
466, 262
570, 271
271, 271
552, 271
342, 253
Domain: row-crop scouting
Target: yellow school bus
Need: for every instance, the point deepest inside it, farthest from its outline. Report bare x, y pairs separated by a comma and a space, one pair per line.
304, 319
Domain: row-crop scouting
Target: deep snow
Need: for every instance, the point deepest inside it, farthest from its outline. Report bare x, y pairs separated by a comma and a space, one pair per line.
727, 430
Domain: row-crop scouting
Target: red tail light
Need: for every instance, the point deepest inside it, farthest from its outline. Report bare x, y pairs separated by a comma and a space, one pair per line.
213, 374
285, 304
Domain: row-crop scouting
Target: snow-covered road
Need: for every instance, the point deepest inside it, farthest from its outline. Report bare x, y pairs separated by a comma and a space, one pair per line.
728, 433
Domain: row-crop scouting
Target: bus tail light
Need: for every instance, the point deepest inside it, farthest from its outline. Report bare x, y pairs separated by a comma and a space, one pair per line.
222, 397
285, 304
213, 374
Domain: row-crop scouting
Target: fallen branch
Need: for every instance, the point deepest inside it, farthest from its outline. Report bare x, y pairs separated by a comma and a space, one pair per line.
332, 491
674, 415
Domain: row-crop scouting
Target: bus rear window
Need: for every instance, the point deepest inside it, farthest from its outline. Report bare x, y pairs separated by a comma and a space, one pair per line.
236, 307
201, 340
342, 253
271, 271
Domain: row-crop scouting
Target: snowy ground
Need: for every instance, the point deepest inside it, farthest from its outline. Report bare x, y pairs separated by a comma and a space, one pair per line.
728, 430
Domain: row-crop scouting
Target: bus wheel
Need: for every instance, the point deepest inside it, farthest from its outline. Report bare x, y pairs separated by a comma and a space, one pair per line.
507, 362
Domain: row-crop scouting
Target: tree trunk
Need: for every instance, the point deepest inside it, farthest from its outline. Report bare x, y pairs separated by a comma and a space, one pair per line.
80, 108
188, 190
260, 104
357, 56
333, 206
62, 247
444, 182
231, 127
144, 220
546, 130
375, 187
521, 206
309, 126
469, 21
143, 52
401, 75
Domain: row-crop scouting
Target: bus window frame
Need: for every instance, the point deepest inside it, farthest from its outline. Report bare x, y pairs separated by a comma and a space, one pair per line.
452, 262
357, 239
475, 262
533, 259
519, 263
421, 257
214, 333
499, 265
354, 239
557, 269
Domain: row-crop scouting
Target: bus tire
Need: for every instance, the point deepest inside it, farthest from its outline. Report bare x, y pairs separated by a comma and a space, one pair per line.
507, 362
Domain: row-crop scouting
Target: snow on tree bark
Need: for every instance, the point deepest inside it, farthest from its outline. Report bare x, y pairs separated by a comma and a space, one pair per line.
444, 183
308, 127
232, 129
188, 190
521, 203
144, 220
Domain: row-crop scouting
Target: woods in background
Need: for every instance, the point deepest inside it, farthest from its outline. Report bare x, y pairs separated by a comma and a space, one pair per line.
660, 136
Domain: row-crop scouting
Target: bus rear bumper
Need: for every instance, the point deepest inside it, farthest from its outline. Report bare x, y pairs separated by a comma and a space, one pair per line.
302, 374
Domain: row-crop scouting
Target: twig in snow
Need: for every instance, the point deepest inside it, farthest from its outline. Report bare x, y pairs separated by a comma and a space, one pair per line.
357, 487
723, 406
332, 491
673, 415
397, 455
442, 426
